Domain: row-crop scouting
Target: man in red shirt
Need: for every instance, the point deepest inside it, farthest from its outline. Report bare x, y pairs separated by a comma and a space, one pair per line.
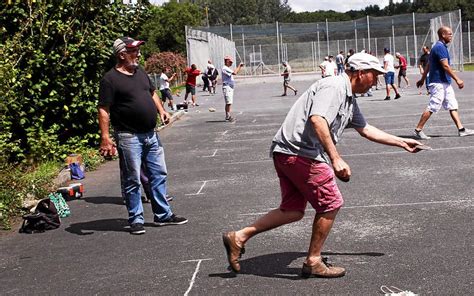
192, 73
402, 64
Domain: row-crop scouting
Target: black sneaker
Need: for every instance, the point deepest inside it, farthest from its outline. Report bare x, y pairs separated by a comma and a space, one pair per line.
398, 96
173, 220
137, 228
387, 98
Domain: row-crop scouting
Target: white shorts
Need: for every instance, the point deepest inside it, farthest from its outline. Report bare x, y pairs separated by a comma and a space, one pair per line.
228, 94
442, 95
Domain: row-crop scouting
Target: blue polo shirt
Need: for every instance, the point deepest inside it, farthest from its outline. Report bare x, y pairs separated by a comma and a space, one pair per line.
438, 53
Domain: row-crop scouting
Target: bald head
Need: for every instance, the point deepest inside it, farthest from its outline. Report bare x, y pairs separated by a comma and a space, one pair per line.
445, 34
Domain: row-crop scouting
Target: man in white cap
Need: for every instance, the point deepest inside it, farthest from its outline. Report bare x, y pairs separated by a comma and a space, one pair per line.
228, 85
128, 100
307, 161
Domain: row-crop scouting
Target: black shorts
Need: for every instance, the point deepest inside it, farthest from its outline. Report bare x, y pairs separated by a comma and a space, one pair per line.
166, 94
402, 72
190, 89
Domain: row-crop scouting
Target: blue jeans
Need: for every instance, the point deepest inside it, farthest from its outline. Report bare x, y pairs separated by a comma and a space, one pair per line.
340, 69
133, 150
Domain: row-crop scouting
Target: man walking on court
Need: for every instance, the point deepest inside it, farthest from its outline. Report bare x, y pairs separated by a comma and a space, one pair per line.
287, 78
128, 100
191, 72
441, 91
340, 63
390, 75
165, 87
402, 72
306, 160
228, 85
422, 63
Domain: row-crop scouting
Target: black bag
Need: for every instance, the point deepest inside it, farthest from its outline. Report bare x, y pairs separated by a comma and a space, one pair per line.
44, 218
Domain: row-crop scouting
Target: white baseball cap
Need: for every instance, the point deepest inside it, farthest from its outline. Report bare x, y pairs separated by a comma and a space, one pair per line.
365, 61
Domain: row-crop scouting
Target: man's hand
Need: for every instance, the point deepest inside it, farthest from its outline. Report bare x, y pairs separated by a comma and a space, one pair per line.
107, 147
165, 117
410, 145
460, 83
420, 83
341, 169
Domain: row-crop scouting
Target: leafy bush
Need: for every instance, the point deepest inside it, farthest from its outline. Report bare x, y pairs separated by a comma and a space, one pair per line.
157, 61
52, 57
19, 182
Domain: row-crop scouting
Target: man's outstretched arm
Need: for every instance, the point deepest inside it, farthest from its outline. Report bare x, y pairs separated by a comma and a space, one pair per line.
376, 135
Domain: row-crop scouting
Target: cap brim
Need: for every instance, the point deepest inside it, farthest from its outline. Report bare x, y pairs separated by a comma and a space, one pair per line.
135, 43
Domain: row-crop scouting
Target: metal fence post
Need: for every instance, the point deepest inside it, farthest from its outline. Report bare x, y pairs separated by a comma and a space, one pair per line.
368, 31
375, 40
461, 50
327, 35
319, 45
278, 45
312, 54
243, 52
414, 39
345, 46
408, 54
355, 35
469, 39
393, 37
231, 33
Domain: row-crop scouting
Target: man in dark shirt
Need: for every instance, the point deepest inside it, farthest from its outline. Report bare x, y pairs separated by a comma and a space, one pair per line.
423, 62
128, 100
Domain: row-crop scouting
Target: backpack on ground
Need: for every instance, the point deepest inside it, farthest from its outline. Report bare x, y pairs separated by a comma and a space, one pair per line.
60, 204
44, 218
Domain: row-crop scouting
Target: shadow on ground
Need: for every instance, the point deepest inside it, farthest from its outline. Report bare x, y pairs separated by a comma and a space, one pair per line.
277, 265
88, 228
99, 200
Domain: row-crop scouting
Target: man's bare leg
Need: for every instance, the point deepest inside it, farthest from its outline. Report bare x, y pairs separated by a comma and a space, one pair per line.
455, 116
321, 227
424, 118
272, 219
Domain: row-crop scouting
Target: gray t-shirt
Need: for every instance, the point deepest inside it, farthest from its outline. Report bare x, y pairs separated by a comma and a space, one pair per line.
330, 98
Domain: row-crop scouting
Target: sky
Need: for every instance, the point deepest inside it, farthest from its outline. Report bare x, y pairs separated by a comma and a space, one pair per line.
336, 5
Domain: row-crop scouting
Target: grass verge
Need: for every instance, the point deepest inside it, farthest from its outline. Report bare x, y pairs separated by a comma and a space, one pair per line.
19, 183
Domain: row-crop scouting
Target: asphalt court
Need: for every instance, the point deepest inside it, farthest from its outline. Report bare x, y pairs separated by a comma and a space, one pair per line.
406, 222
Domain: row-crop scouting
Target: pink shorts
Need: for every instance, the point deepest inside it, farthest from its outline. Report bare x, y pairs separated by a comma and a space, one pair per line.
305, 180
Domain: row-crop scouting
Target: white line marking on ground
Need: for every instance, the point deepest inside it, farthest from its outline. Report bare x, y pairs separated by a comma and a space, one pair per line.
193, 279
384, 206
214, 154
360, 154
409, 204
196, 260
241, 140
202, 186
255, 120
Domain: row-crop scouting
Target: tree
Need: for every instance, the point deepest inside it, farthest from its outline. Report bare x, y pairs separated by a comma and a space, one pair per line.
245, 12
52, 57
164, 30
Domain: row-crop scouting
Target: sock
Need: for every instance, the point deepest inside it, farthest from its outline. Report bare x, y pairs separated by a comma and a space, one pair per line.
462, 129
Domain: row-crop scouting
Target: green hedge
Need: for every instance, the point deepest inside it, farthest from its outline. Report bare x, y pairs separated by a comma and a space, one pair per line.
52, 57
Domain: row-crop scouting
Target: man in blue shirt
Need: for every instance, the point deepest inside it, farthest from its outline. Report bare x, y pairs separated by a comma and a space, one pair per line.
441, 91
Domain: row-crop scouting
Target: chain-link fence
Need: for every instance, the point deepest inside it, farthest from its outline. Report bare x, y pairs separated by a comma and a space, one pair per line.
204, 46
304, 45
